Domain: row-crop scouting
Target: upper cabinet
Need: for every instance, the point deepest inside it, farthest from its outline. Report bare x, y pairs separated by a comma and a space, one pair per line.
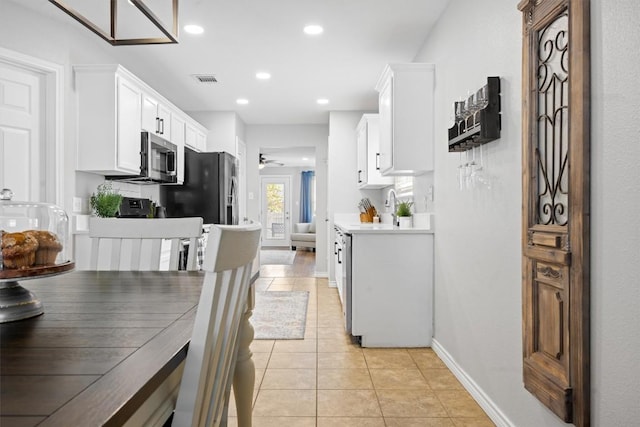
114, 107
368, 137
196, 137
156, 116
406, 119
107, 96
177, 137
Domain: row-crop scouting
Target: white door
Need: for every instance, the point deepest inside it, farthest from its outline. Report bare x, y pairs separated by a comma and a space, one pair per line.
21, 136
275, 210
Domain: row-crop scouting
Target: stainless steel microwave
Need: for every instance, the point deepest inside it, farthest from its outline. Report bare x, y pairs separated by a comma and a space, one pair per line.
158, 161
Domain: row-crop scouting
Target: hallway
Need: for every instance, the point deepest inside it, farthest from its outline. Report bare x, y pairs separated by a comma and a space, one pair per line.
326, 380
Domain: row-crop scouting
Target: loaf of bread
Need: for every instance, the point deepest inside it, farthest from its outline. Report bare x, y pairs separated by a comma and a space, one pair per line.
18, 250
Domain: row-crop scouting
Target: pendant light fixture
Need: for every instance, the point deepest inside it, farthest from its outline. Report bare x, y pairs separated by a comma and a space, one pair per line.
111, 36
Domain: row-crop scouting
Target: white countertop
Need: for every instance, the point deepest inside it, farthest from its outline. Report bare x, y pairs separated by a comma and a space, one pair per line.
379, 228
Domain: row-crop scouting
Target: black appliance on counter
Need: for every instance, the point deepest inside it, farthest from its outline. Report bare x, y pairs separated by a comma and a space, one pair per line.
210, 189
132, 207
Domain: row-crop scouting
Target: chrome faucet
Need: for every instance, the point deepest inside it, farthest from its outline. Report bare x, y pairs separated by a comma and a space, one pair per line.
391, 201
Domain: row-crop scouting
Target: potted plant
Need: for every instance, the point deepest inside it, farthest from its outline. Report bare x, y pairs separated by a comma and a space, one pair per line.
403, 212
106, 202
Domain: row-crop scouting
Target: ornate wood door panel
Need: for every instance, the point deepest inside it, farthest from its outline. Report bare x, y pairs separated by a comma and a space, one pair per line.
555, 226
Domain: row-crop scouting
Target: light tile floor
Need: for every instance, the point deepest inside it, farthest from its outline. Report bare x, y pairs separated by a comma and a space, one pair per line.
326, 380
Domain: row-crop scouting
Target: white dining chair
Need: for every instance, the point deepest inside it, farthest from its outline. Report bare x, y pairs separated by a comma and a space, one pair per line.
219, 352
136, 243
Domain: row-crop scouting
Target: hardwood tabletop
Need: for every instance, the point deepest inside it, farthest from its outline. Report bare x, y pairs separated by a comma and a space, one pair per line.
106, 340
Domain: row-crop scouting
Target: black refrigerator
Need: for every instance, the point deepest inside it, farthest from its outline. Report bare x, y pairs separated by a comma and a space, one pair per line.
210, 189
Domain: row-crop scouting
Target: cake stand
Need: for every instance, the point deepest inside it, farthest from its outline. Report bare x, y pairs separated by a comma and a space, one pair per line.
17, 302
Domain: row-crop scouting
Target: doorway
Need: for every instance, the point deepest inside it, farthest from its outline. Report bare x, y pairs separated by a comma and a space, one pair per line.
31, 127
275, 207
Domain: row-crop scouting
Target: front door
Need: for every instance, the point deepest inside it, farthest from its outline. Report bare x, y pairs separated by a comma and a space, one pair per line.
275, 215
21, 136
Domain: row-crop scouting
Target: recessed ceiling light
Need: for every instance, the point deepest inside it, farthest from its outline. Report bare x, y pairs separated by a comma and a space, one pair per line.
193, 29
313, 29
305, 158
242, 101
263, 75
322, 101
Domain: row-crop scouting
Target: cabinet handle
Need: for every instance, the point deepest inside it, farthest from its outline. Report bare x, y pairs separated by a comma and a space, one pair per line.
157, 124
335, 248
377, 161
161, 126
359, 179
339, 258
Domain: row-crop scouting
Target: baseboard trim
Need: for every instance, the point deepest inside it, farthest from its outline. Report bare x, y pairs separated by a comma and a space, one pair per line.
322, 274
488, 405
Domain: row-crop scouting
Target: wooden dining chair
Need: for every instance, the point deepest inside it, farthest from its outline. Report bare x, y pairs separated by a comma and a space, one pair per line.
136, 243
221, 327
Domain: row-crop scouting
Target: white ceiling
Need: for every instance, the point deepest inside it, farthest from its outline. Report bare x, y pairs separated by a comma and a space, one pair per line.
245, 36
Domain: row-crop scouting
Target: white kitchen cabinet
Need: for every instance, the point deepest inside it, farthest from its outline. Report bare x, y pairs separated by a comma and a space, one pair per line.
406, 114
178, 134
114, 106
392, 289
196, 138
387, 276
368, 140
109, 114
201, 140
156, 116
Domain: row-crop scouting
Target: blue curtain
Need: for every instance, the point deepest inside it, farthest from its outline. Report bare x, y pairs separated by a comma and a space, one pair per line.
306, 190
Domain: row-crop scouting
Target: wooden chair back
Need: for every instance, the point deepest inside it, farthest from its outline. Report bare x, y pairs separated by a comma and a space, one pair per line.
136, 243
209, 368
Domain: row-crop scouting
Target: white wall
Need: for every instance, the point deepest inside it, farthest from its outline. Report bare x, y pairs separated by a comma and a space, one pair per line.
478, 249
34, 34
281, 136
615, 208
343, 177
343, 170
223, 127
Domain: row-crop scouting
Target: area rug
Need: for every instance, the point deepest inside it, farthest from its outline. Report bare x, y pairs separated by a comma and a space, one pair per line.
280, 315
277, 256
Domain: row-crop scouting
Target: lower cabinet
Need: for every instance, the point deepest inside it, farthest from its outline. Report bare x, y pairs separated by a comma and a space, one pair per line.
392, 289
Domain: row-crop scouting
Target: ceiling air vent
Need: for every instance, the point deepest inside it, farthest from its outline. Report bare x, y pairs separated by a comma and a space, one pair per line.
206, 78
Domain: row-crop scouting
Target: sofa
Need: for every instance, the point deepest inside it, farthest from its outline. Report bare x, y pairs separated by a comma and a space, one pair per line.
304, 235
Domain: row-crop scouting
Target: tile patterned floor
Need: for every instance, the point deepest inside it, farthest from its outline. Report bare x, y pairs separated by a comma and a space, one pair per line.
326, 380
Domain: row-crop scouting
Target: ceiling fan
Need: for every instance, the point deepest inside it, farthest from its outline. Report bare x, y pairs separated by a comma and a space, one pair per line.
263, 162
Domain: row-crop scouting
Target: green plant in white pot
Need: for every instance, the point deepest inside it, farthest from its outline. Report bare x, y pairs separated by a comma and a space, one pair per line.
403, 212
106, 202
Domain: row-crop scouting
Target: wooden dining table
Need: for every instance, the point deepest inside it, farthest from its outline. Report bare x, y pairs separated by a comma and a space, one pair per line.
108, 350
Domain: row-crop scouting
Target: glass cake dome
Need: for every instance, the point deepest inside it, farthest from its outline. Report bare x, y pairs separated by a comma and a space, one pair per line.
34, 243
